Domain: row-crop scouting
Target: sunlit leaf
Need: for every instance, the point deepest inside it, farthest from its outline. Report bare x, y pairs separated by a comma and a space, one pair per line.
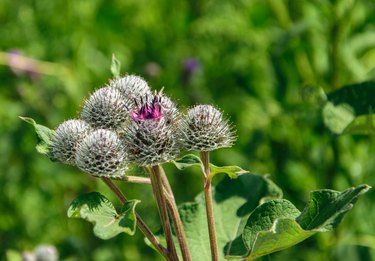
115, 67
232, 171
337, 118
234, 200
97, 209
44, 135
364, 124
277, 224
187, 161
251, 219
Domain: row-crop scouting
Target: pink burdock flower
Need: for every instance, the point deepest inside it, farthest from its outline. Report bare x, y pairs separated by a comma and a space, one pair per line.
150, 138
146, 110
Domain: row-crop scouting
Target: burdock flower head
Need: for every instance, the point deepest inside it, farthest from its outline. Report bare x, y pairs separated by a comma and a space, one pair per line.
106, 108
131, 86
204, 129
102, 154
66, 138
150, 137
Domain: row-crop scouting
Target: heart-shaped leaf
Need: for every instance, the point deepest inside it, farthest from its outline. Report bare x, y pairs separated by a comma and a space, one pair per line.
234, 200
327, 207
44, 136
251, 220
97, 209
277, 224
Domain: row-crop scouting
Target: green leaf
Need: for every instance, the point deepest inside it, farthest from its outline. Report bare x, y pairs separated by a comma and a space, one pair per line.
277, 224
187, 161
262, 219
327, 207
115, 67
359, 96
234, 200
364, 124
44, 136
232, 171
348, 103
251, 219
191, 160
337, 117
97, 209
13, 255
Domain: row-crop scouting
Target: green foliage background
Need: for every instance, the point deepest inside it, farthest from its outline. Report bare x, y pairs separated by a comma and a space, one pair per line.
255, 57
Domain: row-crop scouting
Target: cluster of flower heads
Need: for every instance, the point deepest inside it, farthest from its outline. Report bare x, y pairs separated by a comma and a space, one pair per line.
126, 123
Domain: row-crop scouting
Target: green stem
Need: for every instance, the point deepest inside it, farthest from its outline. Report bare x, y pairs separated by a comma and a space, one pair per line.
176, 219
157, 187
209, 205
140, 223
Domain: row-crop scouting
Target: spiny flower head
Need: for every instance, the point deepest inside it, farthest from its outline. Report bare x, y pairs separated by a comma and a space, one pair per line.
150, 137
101, 154
131, 86
106, 108
204, 129
64, 142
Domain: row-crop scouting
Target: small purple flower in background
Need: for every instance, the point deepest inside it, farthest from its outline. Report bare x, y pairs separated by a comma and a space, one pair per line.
189, 68
147, 111
21, 65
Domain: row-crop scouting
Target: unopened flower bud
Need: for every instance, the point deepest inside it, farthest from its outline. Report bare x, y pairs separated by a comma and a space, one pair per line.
204, 129
102, 154
106, 108
64, 142
131, 86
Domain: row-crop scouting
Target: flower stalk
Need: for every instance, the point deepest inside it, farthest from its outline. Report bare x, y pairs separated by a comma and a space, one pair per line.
176, 219
140, 223
157, 187
209, 205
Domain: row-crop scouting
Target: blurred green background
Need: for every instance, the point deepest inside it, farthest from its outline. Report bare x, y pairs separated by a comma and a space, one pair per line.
252, 58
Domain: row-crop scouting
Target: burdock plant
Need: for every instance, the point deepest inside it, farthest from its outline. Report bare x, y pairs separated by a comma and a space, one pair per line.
126, 124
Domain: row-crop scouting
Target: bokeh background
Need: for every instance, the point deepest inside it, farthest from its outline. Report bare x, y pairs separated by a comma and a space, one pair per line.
251, 58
